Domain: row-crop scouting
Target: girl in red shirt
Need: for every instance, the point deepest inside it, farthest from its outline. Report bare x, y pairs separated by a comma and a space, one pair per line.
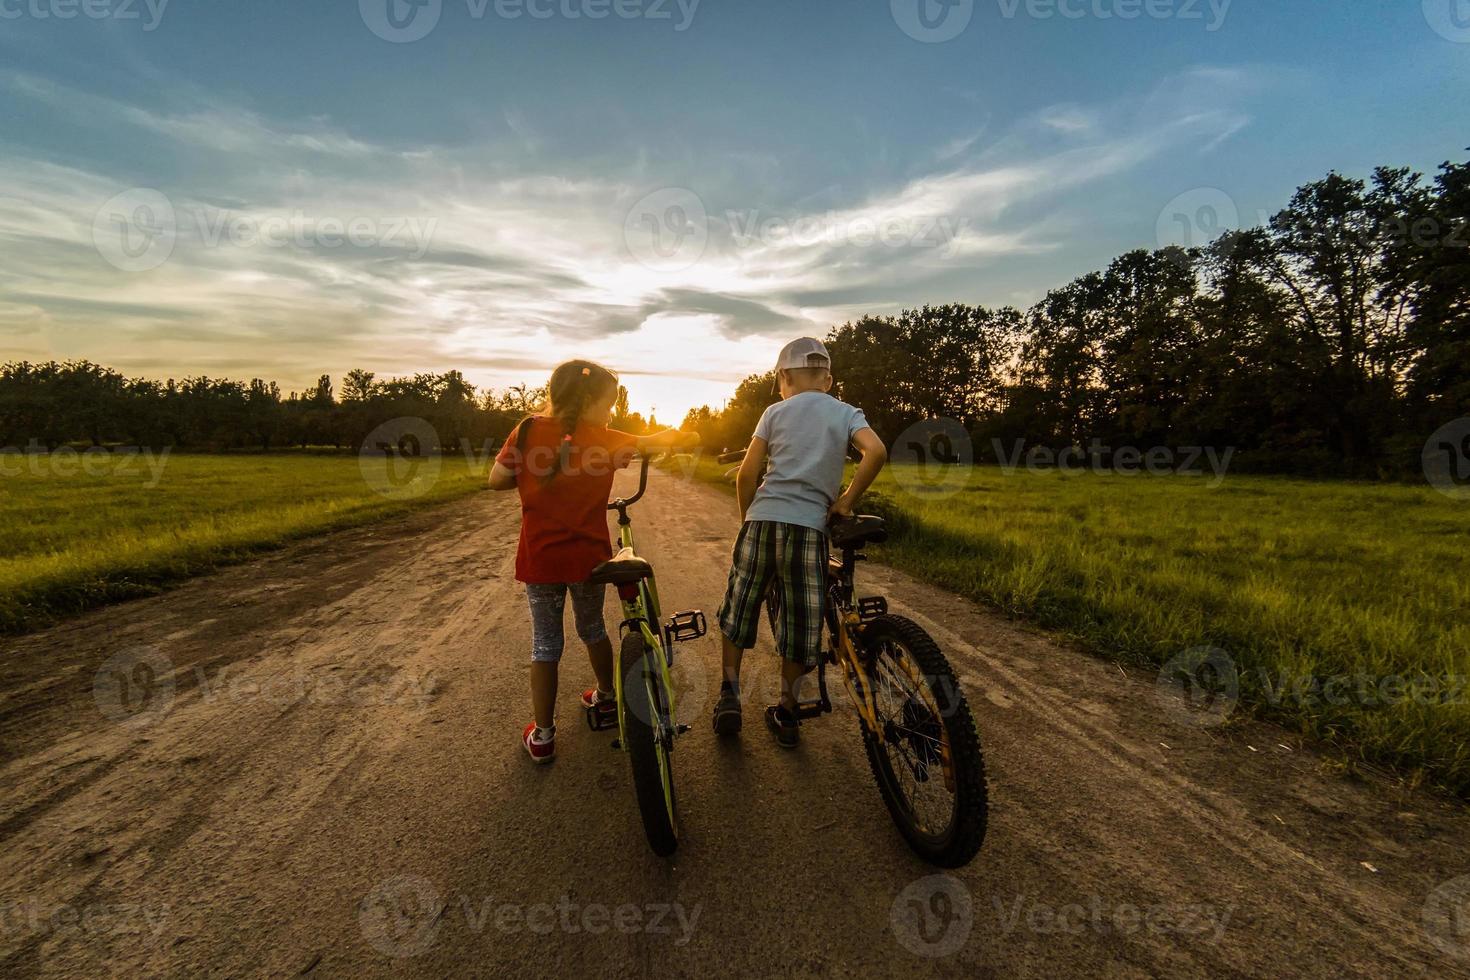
562, 462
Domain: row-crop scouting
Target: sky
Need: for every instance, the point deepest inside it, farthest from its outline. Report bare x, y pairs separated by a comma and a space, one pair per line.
282, 189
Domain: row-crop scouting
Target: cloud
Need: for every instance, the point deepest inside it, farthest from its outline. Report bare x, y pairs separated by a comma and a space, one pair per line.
1068, 119
488, 256
958, 146
202, 124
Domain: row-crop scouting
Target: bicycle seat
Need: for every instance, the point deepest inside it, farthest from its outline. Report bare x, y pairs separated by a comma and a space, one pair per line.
860, 530
621, 569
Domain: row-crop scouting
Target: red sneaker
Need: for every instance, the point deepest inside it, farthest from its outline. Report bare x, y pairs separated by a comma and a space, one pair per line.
539, 751
592, 698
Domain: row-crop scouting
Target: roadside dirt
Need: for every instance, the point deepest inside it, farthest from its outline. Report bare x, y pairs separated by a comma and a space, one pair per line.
323, 777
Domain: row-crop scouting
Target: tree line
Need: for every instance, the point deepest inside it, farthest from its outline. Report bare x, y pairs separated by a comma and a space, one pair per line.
1331, 340
46, 405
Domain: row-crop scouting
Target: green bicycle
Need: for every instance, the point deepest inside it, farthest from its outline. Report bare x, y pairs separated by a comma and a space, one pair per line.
643, 709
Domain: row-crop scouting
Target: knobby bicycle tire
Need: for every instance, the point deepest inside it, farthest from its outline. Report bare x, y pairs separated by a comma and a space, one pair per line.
643, 750
960, 841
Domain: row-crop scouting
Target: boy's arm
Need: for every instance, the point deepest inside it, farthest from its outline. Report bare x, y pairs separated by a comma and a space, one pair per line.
749, 476
875, 454
667, 439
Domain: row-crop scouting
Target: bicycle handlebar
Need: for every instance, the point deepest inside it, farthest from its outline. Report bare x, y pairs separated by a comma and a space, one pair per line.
735, 456
622, 502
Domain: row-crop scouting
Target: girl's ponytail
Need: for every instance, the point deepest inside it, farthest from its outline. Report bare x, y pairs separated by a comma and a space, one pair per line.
574, 386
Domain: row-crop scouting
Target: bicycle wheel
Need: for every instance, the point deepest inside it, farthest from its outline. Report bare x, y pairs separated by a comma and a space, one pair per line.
653, 777
925, 755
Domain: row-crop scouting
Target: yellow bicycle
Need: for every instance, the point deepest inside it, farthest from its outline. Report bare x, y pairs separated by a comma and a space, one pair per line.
916, 724
643, 707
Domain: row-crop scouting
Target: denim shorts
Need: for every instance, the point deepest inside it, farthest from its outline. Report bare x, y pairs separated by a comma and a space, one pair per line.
548, 610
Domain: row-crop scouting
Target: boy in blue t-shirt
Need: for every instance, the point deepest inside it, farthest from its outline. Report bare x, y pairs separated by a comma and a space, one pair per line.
804, 437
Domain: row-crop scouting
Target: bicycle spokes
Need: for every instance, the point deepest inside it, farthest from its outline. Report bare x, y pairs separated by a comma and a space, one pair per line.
913, 737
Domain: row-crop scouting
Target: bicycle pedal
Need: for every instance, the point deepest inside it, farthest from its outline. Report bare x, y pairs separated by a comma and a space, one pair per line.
872, 607
810, 709
681, 729
602, 716
688, 625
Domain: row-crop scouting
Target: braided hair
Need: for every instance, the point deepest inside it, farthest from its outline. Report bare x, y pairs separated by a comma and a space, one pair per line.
573, 387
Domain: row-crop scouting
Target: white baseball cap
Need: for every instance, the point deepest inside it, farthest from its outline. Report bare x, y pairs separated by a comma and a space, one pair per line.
803, 353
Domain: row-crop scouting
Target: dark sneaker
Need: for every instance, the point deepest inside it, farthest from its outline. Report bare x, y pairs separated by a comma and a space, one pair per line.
727, 713
786, 728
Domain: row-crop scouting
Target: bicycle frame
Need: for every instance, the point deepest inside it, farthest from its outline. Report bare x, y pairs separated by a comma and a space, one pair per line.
642, 612
844, 623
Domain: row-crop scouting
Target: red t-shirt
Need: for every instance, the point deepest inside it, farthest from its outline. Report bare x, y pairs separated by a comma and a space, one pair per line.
564, 520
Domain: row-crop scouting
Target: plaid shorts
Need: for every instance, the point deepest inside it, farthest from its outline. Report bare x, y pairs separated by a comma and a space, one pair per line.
795, 555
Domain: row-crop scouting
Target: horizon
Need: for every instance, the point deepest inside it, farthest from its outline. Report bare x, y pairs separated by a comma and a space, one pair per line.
461, 186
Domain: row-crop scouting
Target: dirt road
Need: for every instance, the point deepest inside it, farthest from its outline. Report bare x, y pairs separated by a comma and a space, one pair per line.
324, 778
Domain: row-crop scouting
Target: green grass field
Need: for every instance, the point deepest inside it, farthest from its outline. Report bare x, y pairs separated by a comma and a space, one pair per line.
71, 539
1344, 607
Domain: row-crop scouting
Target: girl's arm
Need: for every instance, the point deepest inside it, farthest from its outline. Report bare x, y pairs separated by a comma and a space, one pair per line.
667, 439
502, 477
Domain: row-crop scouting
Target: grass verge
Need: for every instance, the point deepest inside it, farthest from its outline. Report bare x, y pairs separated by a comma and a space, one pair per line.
76, 533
